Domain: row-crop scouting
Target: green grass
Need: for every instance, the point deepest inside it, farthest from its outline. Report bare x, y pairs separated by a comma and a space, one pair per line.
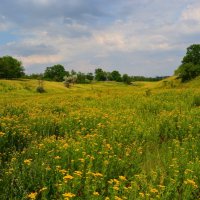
99, 141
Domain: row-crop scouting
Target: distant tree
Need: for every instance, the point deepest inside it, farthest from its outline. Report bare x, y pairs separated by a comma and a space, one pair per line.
100, 75
81, 77
126, 79
73, 72
90, 76
109, 76
10, 67
55, 73
34, 76
190, 67
116, 76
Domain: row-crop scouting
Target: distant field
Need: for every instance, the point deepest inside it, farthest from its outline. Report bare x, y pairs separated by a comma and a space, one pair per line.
100, 141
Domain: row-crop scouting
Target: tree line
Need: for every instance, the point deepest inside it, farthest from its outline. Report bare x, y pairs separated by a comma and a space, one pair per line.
12, 68
58, 72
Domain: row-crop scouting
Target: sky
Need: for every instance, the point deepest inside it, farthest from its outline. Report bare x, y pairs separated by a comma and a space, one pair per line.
137, 37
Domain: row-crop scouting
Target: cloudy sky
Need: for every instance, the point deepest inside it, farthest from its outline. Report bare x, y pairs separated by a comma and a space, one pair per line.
138, 37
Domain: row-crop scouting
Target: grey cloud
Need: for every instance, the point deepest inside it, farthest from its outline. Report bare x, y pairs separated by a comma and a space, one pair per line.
24, 49
135, 36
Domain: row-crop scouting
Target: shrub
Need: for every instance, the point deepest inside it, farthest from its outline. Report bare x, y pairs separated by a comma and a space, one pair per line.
40, 89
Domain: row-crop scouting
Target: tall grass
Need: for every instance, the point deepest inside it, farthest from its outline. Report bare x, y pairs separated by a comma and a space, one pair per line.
100, 142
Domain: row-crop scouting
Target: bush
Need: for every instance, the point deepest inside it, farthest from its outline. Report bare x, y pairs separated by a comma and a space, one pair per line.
190, 67
188, 71
40, 89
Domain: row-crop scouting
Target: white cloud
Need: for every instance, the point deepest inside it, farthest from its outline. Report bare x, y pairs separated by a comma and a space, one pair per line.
133, 36
192, 12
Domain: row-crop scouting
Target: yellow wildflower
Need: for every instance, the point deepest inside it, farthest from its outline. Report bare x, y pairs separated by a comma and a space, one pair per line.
122, 178
97, 174
141, 194
191, 182
57, 157
68, 195
2, 134
78, 173
116, 188
117, 198
27, 161
96, 193
68, 177
153, 190
32, 195
63, 171
82, 160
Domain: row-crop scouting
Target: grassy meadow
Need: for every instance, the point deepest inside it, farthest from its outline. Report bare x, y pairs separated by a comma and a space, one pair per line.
100, 141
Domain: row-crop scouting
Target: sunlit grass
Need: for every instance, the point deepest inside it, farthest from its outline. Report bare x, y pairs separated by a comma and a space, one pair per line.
99, 141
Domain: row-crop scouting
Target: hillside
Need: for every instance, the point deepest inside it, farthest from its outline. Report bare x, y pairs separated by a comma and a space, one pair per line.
104, 140
28, 86
169, 83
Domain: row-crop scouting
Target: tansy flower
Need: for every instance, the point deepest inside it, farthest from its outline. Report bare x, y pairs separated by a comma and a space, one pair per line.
68, 195
27, 161
78, 173
117, 198
191, 182
68, 177
96, 193
57, 157
122, 178
32, 195
116, 188
153, 190
97, 174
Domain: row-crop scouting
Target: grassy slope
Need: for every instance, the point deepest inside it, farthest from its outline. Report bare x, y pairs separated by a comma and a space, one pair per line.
169, 83
151, 139
25, 86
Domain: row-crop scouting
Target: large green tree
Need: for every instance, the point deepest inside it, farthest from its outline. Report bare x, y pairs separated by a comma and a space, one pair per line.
190, 67
10, 67
116, 76
126, 79
192, 55
55, 73
100, 75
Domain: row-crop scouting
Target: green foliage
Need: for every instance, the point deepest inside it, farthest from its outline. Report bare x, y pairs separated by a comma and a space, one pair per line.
100, 75
196, 100
55, 73
116, 76
90, 76
190, 67
10, 67
192, 55
40, 87
188, 71
126, 79
83, 78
